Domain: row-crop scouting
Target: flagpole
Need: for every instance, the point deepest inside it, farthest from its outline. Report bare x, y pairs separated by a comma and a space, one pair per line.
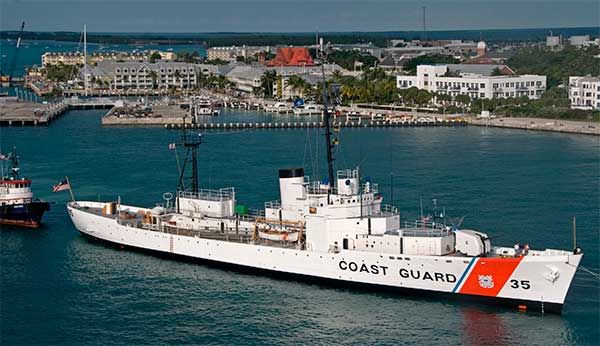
70, 190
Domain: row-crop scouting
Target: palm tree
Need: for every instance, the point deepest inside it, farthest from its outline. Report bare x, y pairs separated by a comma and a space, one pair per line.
337, 76
297, 84
266, 82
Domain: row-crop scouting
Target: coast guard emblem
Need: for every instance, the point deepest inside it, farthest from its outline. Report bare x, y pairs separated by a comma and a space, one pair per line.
486, 281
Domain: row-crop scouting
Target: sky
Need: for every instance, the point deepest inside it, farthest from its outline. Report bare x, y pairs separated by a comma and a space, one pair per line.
195, 16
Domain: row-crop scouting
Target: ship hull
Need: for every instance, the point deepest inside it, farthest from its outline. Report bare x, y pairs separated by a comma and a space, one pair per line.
24, 215
518, 282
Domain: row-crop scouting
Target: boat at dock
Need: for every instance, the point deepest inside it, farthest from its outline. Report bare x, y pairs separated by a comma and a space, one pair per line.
18, 207
307, 109
202, 106
279, 107
336, 230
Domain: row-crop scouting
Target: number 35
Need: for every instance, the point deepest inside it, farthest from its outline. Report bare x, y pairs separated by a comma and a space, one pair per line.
524, 284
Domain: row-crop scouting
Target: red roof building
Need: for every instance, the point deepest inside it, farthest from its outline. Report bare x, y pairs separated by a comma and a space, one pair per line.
292, 56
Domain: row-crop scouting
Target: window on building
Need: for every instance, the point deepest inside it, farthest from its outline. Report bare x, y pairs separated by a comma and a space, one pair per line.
482, 95
482, 85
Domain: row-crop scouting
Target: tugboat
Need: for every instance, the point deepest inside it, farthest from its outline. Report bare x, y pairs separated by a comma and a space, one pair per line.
17, 205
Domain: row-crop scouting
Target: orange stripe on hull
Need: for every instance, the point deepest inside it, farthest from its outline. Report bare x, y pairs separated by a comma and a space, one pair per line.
489, 276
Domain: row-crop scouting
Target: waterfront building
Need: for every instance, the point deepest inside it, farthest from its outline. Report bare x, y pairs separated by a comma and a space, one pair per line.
143, 75
76, 58
65, 58
246, 78
440, 79
584, 92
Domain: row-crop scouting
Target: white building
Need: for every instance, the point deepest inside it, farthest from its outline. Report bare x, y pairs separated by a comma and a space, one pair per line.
142, 75
584, 92
552, 41
64, 58
231, 53
433, 78
579, 40
246, 78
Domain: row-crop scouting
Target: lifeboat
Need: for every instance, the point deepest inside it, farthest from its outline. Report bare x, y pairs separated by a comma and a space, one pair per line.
278, 236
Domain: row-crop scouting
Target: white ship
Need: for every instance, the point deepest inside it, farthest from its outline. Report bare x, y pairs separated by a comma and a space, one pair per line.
338, 231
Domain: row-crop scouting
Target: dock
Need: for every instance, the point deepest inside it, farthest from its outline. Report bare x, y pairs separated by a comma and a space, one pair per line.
315, 124
17, 112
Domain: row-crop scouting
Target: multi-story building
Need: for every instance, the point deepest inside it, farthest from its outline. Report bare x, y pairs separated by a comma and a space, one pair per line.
222, 53
76, 58
231, 53
435, 78
65, 58
142, 75
118, 56
584, 92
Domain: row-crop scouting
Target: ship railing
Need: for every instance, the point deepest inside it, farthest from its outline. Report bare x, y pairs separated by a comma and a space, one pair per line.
273, 204
209, 194
425, 224
370, 188
252, 215
388, 210
426, 232
347, 173
318, 188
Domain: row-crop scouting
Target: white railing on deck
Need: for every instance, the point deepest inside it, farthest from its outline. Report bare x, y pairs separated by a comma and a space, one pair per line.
209, 195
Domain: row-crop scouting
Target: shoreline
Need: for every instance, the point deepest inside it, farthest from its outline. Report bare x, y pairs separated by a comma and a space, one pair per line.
589, 128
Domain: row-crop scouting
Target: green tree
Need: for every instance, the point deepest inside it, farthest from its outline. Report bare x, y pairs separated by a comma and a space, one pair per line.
297, 84
348, 58
154, 56
556, 65
266, 82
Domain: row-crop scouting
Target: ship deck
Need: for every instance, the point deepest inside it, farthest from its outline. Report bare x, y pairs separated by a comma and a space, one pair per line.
136, 220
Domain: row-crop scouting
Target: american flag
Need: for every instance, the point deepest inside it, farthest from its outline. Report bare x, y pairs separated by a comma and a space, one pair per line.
172, 146
62, 186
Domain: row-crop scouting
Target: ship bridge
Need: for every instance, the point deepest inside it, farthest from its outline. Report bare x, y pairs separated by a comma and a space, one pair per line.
348, 198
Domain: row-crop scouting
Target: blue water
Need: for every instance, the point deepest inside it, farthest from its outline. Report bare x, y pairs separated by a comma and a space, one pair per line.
30, 52
59, 287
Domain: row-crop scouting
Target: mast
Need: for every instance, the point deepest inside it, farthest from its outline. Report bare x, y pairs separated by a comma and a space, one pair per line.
85, 73
326, 120
191, 144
